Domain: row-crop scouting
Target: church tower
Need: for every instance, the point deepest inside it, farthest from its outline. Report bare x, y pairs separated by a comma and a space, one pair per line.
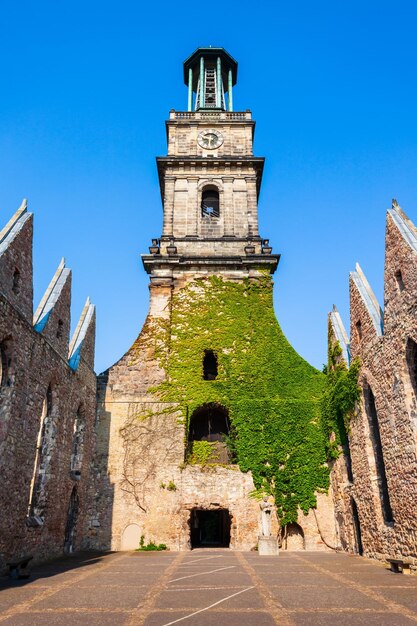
211, 409
210, 182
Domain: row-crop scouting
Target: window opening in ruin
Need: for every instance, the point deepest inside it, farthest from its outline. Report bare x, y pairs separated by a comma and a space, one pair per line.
210, 528
348, 462
37, 494
71, 525
210, 202
356, 527
77, 445
210, 423
359, 330
60, 329
16, 282
4, 378
399, 279
411, 356
372, 414
209, 365
293, 538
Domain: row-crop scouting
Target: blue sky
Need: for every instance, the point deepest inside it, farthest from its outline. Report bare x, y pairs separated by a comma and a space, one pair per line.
86, 88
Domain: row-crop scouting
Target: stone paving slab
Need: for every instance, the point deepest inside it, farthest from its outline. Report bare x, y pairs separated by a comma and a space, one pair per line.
210, 587
94, 598
193, 599
351, 619
66, 619
319, 597
213, 618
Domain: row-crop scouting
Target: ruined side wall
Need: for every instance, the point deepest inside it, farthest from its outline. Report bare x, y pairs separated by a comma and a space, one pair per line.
32, 362
384, 369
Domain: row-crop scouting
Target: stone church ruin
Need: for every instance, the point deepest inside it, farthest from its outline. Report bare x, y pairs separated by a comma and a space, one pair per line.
210, 431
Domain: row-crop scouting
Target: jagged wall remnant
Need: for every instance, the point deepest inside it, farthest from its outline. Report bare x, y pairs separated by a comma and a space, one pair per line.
377, 503
43, 397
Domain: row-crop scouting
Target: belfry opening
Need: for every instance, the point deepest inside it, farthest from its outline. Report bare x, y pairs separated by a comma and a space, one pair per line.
210, 528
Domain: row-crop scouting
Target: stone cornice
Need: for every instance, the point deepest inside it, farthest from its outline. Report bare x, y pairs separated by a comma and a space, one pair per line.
256, 261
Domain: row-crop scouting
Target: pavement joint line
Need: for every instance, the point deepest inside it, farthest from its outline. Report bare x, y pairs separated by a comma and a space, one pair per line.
73, 609
390, 604
50, 591
207, 608
141, 612
205, 588
274, 608
342, 610
219, 569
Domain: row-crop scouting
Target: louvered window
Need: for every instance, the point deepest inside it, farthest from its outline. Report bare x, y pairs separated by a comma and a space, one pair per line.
210, 205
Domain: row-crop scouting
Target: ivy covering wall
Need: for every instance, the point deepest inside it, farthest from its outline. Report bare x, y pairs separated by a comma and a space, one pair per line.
272, 395
341, 397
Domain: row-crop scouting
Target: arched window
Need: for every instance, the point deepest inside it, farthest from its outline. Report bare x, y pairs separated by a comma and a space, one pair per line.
209, 365
59, 329
37, 497
411, 356
358, 327
210, 202
78, 444
378, 453
210, 423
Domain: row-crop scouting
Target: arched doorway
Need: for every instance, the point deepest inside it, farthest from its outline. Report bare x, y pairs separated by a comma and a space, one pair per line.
130, 537
293, 537
210, 528
71, 525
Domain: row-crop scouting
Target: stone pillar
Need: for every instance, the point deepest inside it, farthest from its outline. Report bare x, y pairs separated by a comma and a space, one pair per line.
252, 208
168, 206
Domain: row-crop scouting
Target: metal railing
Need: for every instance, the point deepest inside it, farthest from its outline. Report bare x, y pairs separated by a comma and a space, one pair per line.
211, 115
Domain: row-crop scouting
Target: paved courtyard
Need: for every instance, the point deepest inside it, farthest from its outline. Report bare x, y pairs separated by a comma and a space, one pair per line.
210, 587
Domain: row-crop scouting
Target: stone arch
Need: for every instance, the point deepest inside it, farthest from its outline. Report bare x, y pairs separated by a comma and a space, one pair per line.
294, 537
130, 537
215, 182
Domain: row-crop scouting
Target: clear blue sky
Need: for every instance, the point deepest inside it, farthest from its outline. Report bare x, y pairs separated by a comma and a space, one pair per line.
86, 88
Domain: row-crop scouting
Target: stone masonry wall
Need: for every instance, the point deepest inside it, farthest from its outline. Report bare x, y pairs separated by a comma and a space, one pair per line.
141, 485
32, 362
384, 369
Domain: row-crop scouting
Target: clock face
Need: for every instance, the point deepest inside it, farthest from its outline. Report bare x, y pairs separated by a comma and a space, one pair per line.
210, 139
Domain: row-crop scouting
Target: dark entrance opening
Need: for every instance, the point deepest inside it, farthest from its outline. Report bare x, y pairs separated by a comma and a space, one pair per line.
210, 528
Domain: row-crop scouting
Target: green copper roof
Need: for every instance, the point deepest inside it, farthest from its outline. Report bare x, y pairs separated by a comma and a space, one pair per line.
210, 53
